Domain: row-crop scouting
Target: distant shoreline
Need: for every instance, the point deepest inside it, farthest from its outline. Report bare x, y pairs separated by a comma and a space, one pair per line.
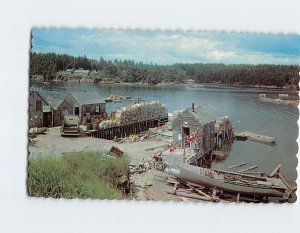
172, 84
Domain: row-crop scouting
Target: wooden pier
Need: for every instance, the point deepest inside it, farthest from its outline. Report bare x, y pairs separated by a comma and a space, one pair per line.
126, 130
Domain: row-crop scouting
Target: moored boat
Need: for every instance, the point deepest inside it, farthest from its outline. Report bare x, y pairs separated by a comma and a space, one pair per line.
255, 137
259, 137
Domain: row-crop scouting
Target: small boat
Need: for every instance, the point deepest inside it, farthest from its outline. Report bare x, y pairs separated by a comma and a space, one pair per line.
242, 136
232, 182
259, 137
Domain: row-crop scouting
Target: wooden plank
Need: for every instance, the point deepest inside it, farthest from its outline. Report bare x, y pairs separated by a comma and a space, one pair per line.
258, 173
194, 184
249, 168
284, 181
197, 197
175, 188
240, 174
199, 192
276, 170
238, 198
237, 165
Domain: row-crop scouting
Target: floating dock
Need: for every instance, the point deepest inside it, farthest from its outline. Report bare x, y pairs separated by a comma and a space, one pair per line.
255, 137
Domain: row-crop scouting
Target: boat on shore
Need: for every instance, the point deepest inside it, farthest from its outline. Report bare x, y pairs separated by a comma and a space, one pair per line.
272, 185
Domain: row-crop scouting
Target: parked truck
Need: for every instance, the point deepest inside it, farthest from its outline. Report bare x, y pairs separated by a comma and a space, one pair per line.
70, 126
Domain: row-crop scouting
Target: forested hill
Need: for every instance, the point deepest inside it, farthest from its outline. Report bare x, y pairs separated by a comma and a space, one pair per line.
50, 65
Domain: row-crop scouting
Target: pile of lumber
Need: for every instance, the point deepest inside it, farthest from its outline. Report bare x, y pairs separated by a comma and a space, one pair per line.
191, 191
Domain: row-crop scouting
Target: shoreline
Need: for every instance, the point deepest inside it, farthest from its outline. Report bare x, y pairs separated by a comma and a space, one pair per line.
172, 84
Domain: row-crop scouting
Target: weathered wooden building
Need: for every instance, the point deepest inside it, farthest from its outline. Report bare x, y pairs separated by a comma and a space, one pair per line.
57, 115
190, 82
40, 111
81, 103
83, 73
195, 125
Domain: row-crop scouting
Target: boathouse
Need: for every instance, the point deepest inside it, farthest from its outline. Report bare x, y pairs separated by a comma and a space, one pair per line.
40, 111
82, 73
196, 125
81, 103
190, 82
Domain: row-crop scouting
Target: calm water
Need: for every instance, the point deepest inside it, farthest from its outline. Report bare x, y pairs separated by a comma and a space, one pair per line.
242, 107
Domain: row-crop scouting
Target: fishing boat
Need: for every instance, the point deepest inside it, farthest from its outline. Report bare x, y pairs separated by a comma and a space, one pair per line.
273, 185
259, 137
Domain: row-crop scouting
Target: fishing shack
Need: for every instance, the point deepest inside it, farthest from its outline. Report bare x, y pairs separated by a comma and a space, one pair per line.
57, 116
40, 111
82, 104
195, 128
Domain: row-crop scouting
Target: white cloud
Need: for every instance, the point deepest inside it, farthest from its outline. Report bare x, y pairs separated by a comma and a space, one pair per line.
222, 55
170, 47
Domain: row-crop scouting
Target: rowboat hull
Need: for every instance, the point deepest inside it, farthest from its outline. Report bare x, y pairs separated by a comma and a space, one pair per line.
238, 183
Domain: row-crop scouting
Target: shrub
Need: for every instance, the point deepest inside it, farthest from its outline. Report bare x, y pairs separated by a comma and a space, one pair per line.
83, 175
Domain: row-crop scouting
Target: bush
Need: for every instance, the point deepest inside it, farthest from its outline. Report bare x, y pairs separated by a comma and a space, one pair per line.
76, 175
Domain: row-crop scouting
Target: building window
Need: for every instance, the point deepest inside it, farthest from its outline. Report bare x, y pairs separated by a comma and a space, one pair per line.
38, 105
97, 109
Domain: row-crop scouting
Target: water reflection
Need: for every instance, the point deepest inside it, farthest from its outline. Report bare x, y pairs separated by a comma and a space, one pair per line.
221, 153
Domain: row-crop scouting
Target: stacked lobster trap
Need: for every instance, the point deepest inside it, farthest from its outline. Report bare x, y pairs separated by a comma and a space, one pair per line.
136, 113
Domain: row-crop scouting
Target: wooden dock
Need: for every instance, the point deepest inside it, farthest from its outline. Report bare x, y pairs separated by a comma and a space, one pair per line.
126, 130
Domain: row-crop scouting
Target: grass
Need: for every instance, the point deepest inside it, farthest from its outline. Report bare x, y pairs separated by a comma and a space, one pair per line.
76, 175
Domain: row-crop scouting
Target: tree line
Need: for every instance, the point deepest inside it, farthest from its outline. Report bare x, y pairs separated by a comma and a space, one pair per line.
49, 64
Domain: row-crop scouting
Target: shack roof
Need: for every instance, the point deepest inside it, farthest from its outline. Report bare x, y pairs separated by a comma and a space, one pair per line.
201, 115
41, 96
54, 103
51, 101
91, 97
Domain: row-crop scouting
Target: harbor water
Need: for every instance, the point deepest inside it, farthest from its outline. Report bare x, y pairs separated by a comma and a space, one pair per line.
242, 106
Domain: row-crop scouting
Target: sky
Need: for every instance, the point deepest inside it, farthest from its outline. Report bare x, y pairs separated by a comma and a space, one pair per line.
169, 47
